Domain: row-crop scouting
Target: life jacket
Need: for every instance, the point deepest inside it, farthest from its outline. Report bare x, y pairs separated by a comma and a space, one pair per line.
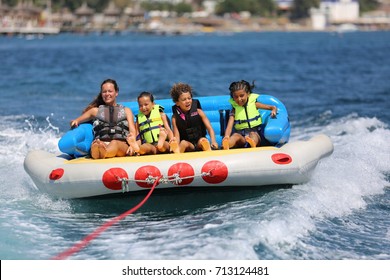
189, 124
149, 127
246, 116
111, 123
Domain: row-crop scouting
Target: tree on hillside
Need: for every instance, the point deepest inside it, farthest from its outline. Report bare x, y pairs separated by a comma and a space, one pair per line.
301, 8
368, 5
255, 7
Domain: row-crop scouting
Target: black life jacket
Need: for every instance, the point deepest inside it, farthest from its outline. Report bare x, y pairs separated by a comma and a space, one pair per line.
189, 124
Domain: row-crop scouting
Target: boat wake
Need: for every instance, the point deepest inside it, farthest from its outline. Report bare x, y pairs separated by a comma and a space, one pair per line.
279, 224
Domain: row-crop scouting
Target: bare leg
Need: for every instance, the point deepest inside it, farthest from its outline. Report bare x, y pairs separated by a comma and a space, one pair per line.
147, 149
133, 143
109, 150
186, 146
161, 138
236, 141
253, 139
115, 148
165, 148
122, 147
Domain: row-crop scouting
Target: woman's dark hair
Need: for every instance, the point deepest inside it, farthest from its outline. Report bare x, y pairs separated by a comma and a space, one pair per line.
99, 99
241, 85
146, 94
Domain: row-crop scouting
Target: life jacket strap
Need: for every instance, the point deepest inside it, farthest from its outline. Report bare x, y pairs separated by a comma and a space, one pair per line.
148, 121
247, 121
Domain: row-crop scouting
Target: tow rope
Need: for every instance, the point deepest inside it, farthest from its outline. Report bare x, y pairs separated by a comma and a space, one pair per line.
80, 245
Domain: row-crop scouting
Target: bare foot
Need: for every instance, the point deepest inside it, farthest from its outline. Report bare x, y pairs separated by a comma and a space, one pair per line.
161, 138
129, 151
102, 149
95, 154
133, 144
250, 141
174, 146
205, 145
225, 143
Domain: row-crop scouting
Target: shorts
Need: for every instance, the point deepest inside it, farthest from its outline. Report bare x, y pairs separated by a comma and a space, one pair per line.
259, 130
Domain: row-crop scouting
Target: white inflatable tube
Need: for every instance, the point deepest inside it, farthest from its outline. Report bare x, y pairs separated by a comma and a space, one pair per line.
63, 177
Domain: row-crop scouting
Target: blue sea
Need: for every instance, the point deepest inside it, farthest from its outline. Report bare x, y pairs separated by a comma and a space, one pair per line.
337, 84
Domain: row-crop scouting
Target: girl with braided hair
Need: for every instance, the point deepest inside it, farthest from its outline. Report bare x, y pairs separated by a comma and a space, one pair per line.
245, 119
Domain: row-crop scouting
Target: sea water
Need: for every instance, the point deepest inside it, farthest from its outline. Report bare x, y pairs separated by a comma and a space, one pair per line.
331, 83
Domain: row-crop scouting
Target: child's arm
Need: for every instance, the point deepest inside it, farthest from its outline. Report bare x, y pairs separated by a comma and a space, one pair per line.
209, 128
176, 133
229, 126
88, 115
137, 135
166, 126
267, 107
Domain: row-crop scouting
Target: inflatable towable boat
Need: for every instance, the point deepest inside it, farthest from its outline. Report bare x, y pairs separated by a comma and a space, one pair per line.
74, 175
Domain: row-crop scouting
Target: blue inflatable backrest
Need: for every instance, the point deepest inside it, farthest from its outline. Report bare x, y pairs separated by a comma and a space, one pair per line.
277, 130
77, 142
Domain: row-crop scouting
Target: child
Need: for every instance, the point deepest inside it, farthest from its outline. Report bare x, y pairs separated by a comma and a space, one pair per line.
245, 117
153, 128
112, 122
189, 122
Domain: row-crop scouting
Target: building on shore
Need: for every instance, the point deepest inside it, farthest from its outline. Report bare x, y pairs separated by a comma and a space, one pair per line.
344, 15
25, 18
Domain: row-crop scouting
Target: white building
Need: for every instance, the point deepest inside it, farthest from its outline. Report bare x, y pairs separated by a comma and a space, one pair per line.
334, 12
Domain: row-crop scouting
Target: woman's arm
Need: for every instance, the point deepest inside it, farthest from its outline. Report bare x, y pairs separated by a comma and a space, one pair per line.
87, 116
130, 120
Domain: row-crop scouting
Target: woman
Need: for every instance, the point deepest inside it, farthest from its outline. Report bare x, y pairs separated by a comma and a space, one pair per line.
112, 123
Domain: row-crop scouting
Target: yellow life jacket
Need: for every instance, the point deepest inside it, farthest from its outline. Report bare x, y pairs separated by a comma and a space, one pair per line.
246, 116
149, 127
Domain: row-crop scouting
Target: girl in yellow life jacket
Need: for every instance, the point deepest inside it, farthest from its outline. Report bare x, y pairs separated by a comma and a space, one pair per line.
245, 117
153, 128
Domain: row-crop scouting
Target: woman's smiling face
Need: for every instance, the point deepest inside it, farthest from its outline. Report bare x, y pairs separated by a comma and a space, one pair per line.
109, 94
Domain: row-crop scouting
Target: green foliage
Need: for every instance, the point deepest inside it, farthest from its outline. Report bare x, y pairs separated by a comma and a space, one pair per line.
182, 8
301, 8
154, 6
368, 5
255, 7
